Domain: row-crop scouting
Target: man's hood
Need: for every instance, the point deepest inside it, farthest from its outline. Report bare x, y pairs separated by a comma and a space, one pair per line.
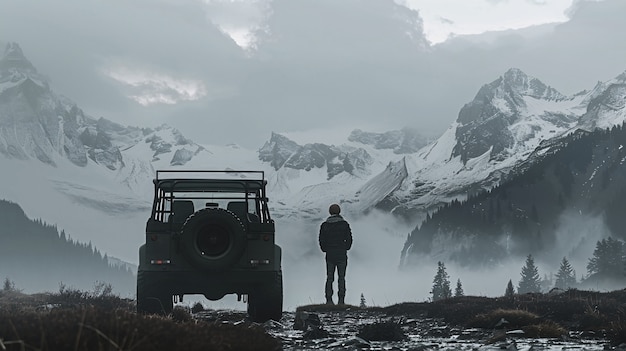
334, 219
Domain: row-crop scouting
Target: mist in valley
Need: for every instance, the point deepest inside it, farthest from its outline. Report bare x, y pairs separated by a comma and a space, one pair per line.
374, 262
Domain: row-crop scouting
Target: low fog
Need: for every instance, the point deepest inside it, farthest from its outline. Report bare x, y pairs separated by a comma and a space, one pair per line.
373, 263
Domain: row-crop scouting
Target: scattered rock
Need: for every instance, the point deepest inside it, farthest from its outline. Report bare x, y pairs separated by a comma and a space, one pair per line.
516, 332
273, 325
355, 341
315, 333
501, 323
382, 331
305, 320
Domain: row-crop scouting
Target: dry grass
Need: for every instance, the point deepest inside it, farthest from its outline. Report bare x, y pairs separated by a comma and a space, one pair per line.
95, 328
575, 310
75, 320
617, 332
532, 325
545, 329
504, 319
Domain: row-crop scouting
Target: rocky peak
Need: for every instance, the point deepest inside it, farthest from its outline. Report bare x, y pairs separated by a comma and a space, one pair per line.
14, 60
510, 89
404, 141
621, 78
277, 150
282, 152
484, 123
606, 106
519, 82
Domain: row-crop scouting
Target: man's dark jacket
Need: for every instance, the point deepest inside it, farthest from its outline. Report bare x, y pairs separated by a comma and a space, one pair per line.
335, 236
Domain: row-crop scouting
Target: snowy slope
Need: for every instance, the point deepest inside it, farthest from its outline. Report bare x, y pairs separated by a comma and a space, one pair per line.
461, 162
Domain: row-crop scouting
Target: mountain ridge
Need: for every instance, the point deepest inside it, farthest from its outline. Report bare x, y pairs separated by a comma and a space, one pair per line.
26, 243
546, 208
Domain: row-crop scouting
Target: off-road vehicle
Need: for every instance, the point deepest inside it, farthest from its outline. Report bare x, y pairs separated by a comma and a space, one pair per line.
210, 233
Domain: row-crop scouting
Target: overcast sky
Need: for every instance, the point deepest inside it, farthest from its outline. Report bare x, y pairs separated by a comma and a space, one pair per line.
228, 71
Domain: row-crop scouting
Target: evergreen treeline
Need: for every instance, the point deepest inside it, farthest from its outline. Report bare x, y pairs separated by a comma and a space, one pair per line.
37, 257
584, 172
607, 266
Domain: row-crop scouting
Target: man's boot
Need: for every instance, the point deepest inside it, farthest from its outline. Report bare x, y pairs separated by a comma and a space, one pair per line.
341, 301
329, 301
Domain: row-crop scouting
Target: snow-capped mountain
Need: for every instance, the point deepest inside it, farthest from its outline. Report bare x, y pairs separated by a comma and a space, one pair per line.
306, 178
404, 141
91, 168
502, 127
93, 177
37, 123
606, 104
569, 194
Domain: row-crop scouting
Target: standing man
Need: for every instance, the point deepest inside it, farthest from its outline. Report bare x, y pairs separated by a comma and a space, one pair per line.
335, 239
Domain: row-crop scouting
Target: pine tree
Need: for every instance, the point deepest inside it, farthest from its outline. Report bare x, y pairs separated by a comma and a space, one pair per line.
509, 293
8, 285
565, 277
530, 281
441, 283
362, 304
459, 289
608, 258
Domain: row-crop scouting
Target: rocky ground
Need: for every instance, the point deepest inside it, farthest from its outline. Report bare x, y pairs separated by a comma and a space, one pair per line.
376, 329
562, 320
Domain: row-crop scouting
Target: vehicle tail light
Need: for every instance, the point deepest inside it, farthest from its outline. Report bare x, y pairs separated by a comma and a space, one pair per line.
160, 262
255, 262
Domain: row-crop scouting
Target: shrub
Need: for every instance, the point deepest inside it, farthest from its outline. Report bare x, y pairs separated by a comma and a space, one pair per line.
97, 328
495, 318
101, 296
197, 307
382, 331
617, 333
181, 314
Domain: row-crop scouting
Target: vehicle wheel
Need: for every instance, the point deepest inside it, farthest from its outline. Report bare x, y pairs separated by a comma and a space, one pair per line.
266, 302
150, 300
213, 238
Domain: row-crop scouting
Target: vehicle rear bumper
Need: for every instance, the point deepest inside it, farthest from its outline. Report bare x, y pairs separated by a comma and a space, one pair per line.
214, 285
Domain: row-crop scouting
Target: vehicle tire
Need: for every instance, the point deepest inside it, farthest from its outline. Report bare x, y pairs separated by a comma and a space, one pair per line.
213, 239
266, 302
151, 300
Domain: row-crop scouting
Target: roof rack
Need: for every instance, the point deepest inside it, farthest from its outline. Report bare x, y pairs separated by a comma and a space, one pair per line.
214, 174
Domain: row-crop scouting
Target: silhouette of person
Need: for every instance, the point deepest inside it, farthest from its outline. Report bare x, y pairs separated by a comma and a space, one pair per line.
335, 240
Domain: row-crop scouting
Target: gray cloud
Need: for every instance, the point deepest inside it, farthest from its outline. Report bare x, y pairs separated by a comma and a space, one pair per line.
86, 46
325, 63
318, 63
446, 20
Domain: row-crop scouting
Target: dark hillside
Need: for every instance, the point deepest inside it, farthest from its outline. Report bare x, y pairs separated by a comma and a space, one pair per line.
37, 257
583, 174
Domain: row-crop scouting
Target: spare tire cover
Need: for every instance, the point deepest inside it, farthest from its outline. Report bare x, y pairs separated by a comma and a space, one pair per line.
213, 238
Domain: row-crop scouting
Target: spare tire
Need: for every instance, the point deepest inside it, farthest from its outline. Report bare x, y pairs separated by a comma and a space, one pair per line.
213, 238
